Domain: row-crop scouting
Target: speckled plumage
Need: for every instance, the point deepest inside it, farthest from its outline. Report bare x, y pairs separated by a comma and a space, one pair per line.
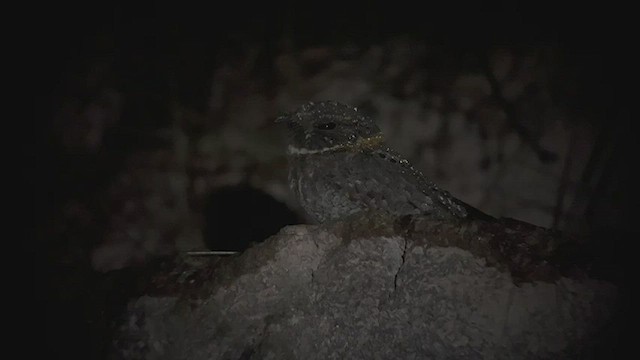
339, 165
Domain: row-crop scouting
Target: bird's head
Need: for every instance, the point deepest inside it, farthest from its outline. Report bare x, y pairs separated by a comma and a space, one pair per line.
328, 126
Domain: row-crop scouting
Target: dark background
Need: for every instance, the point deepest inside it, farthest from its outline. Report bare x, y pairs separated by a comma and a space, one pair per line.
165, 55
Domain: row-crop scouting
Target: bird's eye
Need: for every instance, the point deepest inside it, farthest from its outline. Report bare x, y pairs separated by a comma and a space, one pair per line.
326, 126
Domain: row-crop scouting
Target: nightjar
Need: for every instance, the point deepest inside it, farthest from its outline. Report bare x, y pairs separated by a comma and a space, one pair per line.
339, 165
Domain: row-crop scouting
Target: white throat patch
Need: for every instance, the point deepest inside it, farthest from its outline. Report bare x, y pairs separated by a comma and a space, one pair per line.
292, 150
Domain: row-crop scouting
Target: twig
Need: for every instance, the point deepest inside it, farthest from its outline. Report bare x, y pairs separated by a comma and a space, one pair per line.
211, 253
564, 182
544, 155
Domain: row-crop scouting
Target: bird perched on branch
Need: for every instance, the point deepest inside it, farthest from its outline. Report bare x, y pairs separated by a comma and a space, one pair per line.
339, 165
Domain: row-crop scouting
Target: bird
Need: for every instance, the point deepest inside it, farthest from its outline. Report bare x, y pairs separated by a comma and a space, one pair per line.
340, 165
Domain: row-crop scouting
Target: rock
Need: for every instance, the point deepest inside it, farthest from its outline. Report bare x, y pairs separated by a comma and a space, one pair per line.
323, 292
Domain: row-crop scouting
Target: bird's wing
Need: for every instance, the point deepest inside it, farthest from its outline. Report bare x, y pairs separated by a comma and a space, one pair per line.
382, 179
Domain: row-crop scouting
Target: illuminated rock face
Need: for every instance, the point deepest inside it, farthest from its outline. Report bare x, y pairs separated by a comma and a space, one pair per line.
312, 292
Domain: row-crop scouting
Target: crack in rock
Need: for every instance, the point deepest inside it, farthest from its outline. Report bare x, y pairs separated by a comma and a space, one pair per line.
404, 254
